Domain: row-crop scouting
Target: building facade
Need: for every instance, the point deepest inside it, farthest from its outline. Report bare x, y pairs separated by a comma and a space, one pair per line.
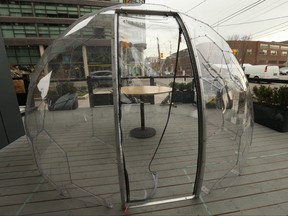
259, 52
29, 26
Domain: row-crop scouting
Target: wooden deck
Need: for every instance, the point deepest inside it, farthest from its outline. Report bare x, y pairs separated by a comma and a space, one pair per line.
260, 190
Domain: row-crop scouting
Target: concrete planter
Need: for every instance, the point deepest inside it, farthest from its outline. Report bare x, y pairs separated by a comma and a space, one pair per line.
271, 117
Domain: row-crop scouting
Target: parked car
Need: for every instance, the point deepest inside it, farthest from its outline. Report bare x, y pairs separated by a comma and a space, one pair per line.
101, 78
283, 70
262, 71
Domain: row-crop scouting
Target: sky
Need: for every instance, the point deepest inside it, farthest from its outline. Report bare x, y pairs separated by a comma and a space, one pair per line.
262, 20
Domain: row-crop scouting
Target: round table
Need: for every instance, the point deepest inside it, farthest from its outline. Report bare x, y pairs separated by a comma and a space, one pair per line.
143, 131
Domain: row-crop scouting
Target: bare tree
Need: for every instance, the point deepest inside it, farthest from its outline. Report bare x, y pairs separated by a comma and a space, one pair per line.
243, 45
234, 37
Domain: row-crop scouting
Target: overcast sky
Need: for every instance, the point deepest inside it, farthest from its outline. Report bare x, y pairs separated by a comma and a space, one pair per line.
264, 20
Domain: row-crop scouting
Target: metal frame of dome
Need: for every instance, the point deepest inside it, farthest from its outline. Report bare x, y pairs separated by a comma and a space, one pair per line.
201, 118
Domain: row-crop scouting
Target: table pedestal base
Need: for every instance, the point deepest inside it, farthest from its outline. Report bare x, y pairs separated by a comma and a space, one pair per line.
143, 133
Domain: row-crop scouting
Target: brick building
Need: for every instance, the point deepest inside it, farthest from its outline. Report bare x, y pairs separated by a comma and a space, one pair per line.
259, 52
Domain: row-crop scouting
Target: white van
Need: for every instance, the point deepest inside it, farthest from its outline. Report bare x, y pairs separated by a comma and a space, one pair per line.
262, 71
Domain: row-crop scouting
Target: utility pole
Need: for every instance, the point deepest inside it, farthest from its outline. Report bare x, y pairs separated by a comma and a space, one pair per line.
158, 46
159, 56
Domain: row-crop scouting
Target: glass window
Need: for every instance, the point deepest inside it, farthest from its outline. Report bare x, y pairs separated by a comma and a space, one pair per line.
26, 7
263, 52
34, 60
34, 51
23, 54
249, 52
17, 27
263, 45
15, 12
85, 10
273, 52
13, 60
42, 7
10, 52
18, 30
52, 8
12, 5
40, 13
51, 30
62, 28
72, 8
19, 33
7, 31
27, 12
16, 9
51, 13
62, 8
56, 10
274, 46
4, 10
23, 60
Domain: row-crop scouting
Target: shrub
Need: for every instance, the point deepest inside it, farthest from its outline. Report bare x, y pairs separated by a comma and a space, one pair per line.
267, 96
182, 86
64, 88
61, 89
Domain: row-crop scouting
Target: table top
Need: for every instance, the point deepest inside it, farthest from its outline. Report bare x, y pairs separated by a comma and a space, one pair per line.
145, 90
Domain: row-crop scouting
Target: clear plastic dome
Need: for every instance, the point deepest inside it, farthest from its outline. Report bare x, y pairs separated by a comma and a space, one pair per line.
138, 103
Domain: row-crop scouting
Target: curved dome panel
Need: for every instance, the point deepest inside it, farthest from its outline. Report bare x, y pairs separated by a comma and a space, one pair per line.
135, 103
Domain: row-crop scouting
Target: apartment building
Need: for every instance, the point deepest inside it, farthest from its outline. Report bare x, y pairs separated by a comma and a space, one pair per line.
259, 52
29, 26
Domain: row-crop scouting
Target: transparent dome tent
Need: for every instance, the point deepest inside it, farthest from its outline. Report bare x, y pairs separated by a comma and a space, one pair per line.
139, 105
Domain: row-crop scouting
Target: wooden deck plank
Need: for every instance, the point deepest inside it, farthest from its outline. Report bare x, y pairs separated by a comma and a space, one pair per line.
262, 185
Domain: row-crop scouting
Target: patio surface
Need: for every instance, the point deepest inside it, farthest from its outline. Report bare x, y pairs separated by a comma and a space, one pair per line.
260, 190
